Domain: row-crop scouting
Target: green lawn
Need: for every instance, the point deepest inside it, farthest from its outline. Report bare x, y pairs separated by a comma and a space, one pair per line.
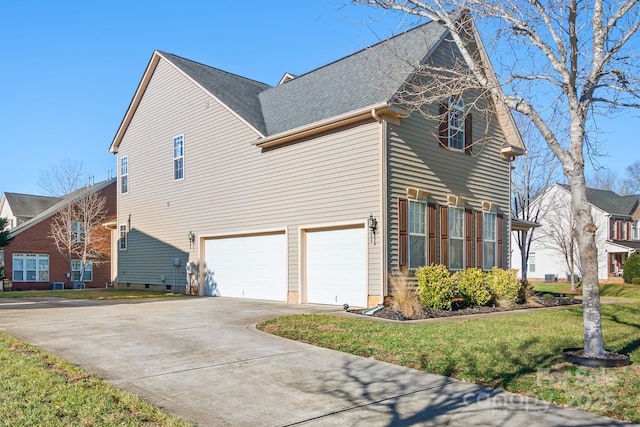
520, 352
40, 389
92, 294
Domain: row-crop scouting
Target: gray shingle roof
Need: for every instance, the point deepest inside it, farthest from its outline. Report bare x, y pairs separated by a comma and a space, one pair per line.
237, 92
368, 77
62, 202
365, 78
611, 202
29, 205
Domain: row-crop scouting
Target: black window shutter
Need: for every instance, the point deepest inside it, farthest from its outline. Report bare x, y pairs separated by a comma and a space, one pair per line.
500, 232
444, 126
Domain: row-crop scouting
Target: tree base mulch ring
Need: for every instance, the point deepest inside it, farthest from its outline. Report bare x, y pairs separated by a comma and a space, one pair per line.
611, 359
459, 309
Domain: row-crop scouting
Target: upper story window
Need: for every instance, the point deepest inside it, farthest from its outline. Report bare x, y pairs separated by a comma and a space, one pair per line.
178, 157
417, 234
124, 174
30, 268
78, 232
636, 230
532, 262
455, 119
122, 243
456, 238
489, 240
455, 131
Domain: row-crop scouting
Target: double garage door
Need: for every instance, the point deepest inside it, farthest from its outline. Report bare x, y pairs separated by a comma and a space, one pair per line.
256, 266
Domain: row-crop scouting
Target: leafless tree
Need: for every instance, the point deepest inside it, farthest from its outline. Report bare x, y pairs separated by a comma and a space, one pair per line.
632, 182
558, 234
532, 175
62, 178
78, 233
606, 179
559, 63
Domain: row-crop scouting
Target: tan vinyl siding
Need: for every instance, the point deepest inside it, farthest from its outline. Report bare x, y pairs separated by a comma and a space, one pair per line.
416, 159
231, 186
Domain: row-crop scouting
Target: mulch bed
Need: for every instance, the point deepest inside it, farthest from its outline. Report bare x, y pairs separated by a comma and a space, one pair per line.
458, 309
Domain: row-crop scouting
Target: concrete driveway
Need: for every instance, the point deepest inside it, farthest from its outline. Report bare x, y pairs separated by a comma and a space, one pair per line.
202, 359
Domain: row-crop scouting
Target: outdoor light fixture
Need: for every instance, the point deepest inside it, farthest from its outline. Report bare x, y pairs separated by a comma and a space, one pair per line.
192, 238
373, 227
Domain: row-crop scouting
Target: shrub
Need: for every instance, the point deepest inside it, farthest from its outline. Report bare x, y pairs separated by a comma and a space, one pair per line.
631, 267
636, 280
504, 284
472, 286
404, 295
435, 287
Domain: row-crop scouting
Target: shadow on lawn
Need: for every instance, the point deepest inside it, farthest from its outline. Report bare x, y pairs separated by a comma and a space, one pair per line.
381, 395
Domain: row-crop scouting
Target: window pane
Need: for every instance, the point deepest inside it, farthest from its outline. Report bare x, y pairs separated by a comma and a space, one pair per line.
416, 217
456, 254
456, 222
178, 170
488, 255
416, 251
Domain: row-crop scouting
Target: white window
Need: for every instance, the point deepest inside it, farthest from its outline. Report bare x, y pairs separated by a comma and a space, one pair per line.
122, 243
532, 262
417, 234
488, 240
178, 157
78, 232
456, 238
456, 123
624, 231
30, 268
636, 230
124, 174
76, 268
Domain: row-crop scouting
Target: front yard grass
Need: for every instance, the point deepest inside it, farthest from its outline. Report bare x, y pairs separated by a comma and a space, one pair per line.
40, 389
520, 353
91, 294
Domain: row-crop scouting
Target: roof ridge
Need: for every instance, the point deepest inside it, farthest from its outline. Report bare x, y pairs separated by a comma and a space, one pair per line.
213, 68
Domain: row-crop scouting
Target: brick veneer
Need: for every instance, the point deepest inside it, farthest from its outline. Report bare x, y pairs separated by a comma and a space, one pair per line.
36, 240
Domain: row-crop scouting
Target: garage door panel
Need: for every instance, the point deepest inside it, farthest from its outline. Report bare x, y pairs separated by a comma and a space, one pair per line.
336, 266
247, 267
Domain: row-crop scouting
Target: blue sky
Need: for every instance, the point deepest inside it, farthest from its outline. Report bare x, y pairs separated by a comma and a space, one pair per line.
70, 68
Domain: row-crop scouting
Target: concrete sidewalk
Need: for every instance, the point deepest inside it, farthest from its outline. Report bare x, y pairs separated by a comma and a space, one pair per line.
202, 359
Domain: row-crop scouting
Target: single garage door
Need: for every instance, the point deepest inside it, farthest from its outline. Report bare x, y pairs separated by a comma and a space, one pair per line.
336, 266
247, 267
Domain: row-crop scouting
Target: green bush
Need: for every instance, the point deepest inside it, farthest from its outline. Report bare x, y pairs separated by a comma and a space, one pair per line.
435, 286
631, 268
504, 284
472, 286
636, 280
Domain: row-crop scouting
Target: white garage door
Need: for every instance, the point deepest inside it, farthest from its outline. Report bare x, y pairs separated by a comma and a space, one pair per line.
247, 267
336, 267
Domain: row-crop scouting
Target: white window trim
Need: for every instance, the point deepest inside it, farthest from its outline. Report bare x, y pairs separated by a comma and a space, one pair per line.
75, 268
125, 174
123, 237
461, 238
424, 235
532, 256
456, 131
178, 157
78, 231
494, 240
24, 258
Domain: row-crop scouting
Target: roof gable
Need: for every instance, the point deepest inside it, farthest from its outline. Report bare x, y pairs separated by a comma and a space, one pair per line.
609, 201
62, 202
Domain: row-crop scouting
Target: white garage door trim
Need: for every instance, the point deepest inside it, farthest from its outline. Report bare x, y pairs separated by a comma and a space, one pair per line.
336, 265
247, 266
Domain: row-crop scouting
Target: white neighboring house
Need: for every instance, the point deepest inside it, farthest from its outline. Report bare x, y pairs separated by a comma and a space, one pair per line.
618, 235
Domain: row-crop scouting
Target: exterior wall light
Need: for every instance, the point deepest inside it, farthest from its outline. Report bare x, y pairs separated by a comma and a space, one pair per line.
192, 238
373, 227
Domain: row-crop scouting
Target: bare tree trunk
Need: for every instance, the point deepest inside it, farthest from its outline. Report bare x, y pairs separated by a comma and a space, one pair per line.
585, 233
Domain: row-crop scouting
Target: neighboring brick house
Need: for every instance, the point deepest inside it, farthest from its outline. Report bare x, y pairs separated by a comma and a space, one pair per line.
32, 261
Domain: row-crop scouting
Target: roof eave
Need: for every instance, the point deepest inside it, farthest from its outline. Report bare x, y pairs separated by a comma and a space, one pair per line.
373, 112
